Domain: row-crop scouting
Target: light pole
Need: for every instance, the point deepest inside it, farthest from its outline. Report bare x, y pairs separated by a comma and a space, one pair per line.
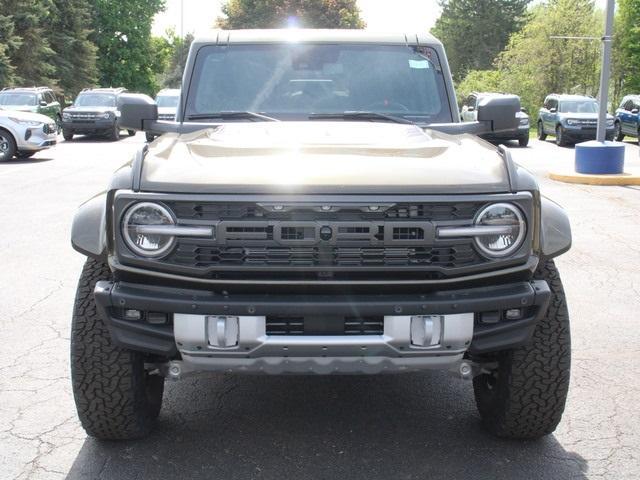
605, 72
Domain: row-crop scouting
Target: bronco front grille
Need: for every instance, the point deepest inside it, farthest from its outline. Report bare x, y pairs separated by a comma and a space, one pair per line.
192, 255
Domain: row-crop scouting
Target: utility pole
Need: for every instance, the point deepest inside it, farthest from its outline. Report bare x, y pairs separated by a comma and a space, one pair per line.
605, 72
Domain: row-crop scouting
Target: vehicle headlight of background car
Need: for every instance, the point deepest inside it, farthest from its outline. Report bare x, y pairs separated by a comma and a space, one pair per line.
31, 123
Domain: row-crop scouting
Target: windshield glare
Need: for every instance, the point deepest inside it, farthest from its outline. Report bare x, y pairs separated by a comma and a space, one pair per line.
295, 80
579, 106
166, 101
95, 100
23, 99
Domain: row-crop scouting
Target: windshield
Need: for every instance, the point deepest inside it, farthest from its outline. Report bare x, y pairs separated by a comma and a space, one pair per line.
296, 80
25, 99
579, 106
167, 101
95, 100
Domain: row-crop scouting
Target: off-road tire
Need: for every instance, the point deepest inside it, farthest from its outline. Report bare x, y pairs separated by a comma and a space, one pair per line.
115, 133
560, 140
7, 146
150, 137
115, 397
67, 135
541, 135
524, 397
131, 133
618, 135
523, 141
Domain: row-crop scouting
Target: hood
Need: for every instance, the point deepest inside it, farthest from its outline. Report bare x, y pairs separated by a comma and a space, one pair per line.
73, 108
20, 115
21, 108
583, 116
322, 157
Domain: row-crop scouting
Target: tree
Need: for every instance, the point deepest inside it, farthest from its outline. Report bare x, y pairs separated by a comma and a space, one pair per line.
172, 77
30, 56
75, 54
534, 64
9, 42
277, 14
474, 32
479, 81
122, 33
626, 55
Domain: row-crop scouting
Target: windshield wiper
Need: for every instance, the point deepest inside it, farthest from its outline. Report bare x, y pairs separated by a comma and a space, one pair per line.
232, 115
359, 115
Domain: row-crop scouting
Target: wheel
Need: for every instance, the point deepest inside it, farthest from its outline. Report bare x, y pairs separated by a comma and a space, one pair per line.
523, 141
560, 141
7, 146
131, 132
116, 398
67, 135
115, 133
150, 137
524, 397
617, 132
541, 135
25, 154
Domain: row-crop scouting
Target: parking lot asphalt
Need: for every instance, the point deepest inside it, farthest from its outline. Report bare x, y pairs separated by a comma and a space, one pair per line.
411, 426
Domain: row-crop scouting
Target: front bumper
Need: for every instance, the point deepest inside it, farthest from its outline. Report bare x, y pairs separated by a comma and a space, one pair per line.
469, 322
34, 139
522, 131
578, 133
89, 126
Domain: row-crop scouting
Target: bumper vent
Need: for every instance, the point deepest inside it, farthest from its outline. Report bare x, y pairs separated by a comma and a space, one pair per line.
314, 326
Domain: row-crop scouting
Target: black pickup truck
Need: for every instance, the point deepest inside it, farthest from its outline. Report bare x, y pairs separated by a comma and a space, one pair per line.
318, 208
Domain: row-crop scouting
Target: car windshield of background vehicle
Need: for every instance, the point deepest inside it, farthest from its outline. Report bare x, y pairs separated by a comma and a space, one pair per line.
23, 99
167, 101
579, 106
293, 81
95, 100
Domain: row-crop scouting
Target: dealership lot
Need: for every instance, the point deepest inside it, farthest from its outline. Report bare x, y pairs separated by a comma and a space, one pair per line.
214, 426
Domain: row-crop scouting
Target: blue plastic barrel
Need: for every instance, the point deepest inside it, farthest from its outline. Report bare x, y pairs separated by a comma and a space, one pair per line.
600, 158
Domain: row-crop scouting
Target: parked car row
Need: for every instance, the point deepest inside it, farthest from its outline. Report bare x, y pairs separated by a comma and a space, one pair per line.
31, 118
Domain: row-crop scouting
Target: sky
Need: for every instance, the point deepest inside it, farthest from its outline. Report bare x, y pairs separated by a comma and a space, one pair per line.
380, 15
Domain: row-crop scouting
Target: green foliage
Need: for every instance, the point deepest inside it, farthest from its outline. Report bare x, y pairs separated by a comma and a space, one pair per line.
30, 57
479, 81
172, 78
626, 71
534, 64
276, 13
475, 31
9, 43
122, 33
75, 54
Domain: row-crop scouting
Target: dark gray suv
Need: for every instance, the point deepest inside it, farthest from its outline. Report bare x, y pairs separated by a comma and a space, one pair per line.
571, 118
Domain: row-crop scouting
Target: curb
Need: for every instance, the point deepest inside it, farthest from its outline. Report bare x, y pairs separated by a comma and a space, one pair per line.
627, 178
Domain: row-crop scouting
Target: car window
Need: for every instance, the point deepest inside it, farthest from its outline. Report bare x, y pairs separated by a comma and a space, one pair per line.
15, 98
167, 101
50, 97
578, 106
295, 80
95, 100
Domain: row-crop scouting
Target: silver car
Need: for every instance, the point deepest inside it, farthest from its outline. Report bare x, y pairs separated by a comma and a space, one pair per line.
23, 134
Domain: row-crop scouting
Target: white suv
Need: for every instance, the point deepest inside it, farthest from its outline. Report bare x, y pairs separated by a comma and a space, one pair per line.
23, 134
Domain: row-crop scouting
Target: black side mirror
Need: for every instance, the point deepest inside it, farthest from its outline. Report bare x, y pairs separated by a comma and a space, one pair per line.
523, 110
137, 111
634, 111
500, 112
470, 108
553, 110
43, 103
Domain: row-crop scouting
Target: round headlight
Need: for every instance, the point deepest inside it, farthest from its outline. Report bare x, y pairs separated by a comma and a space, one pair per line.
505, 229
106, 115
145, 241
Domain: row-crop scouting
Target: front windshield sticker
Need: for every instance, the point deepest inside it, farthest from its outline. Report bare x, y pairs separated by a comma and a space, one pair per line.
420, 64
